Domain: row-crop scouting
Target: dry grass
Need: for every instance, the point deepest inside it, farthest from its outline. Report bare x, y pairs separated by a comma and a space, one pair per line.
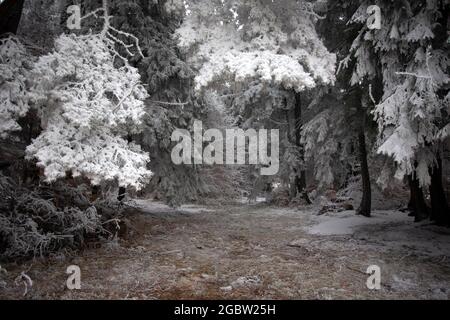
237, 252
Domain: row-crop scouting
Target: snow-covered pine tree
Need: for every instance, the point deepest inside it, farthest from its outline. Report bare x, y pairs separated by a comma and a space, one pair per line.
88, 107
274, 42
411, 50
341, 126
37, 219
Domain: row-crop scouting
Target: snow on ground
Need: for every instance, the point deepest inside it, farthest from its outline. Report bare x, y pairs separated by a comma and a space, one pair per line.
246, 200
346, 222
387, 229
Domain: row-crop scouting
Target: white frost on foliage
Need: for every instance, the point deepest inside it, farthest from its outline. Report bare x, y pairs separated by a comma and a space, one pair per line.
87, 106
320, 146
271, 68
409, 114
13, 74
256, 46
412, 115
96, 154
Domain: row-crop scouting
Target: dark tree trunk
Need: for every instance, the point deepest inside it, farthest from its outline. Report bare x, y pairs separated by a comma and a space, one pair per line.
122, 193
366, 201
417, 204
365, 206
300, 178
439, 207
123, 190
10, 14
411, 200
95, 192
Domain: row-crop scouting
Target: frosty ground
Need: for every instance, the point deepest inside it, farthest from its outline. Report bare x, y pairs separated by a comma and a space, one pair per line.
242, 251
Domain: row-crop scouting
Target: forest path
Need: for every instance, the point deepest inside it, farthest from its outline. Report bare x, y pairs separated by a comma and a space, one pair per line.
243, 251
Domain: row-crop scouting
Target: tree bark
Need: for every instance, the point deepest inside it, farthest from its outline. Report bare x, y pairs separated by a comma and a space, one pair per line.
365, 206
300, 177
10, 14
122, 193
366, 201
417, 204
410, 206
439, 206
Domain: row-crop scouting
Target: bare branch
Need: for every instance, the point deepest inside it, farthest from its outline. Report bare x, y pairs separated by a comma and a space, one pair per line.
171, 103
109, 38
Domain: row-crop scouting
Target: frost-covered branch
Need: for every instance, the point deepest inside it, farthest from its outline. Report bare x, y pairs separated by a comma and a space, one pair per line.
371, 95
414, 75
427, 63
308, 8
180, 104
110, 35
90, 114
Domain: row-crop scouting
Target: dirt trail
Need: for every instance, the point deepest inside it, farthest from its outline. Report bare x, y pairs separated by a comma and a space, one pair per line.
239, 251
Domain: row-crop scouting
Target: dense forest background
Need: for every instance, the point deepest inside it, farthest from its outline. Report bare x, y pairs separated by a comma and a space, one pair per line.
86, 115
